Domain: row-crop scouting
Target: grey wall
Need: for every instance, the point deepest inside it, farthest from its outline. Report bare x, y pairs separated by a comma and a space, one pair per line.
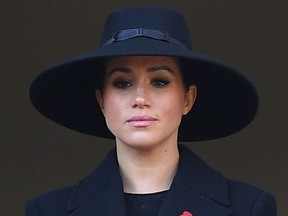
38, 155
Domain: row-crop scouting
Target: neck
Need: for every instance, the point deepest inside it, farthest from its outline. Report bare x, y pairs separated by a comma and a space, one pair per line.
147, 170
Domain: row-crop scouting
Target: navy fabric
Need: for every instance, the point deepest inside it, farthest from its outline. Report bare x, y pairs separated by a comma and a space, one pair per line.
144, 204
196, 188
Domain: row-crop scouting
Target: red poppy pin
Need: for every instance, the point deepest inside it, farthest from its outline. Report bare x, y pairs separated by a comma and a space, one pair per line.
186, 213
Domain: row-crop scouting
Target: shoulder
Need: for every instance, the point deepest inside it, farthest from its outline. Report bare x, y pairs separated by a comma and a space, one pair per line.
250, 200
242, 199
51, 203
64, 200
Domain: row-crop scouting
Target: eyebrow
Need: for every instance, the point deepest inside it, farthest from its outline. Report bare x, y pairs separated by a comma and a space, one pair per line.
119, 69
149, 69
161, 67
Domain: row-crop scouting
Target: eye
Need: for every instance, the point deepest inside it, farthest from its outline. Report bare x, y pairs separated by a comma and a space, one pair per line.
160, 83
121, 84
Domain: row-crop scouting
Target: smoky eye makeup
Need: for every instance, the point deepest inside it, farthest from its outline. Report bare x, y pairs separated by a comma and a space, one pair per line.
119, 77
160, 82
121, 83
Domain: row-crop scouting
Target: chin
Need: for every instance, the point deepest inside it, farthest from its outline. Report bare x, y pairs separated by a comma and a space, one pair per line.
143, 143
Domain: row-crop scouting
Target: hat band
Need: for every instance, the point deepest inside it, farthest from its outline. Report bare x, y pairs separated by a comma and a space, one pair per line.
141, 32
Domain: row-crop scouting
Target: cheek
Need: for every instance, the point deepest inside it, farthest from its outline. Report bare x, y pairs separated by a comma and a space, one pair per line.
172, 104
113, 106
109, 105
111, 112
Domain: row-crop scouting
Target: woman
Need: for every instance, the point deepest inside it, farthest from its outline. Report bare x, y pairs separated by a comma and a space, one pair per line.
145, 78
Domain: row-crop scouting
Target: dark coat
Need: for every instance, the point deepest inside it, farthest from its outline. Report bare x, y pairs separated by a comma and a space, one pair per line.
196, 188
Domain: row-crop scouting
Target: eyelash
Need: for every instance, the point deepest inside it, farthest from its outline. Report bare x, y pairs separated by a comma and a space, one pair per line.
160, 83
121, 84
157, 83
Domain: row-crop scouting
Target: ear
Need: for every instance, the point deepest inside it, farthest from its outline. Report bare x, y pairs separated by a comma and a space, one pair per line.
190, 98
100, 101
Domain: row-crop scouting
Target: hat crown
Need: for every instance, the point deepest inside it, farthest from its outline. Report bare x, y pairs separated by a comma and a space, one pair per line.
162, 19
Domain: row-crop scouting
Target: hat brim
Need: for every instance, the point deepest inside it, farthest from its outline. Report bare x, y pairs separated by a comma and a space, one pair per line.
226, 100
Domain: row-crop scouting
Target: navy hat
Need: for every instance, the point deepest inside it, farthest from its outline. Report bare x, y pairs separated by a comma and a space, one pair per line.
226, 100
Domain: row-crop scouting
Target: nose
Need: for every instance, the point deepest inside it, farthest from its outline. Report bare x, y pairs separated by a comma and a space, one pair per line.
141, 98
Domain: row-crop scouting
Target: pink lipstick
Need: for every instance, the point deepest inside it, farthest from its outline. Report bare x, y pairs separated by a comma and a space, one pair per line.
141, 121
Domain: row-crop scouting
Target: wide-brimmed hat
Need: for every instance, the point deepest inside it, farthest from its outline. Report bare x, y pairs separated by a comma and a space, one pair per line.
226, 100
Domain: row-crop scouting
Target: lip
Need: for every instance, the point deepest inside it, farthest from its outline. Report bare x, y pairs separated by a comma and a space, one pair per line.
141, 121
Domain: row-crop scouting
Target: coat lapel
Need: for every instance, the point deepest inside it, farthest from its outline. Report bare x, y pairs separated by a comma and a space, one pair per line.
196, 188
100, 193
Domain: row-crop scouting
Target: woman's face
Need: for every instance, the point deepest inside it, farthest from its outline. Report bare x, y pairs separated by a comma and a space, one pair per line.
143, 99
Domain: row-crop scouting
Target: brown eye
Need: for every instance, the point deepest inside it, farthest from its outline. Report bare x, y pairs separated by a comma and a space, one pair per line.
160, 83
121, 84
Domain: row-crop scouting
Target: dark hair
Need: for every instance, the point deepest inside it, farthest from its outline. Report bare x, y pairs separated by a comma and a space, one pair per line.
99, 70
186, 73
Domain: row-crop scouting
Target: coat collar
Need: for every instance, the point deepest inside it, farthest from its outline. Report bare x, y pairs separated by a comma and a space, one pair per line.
101, 192
196, 188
